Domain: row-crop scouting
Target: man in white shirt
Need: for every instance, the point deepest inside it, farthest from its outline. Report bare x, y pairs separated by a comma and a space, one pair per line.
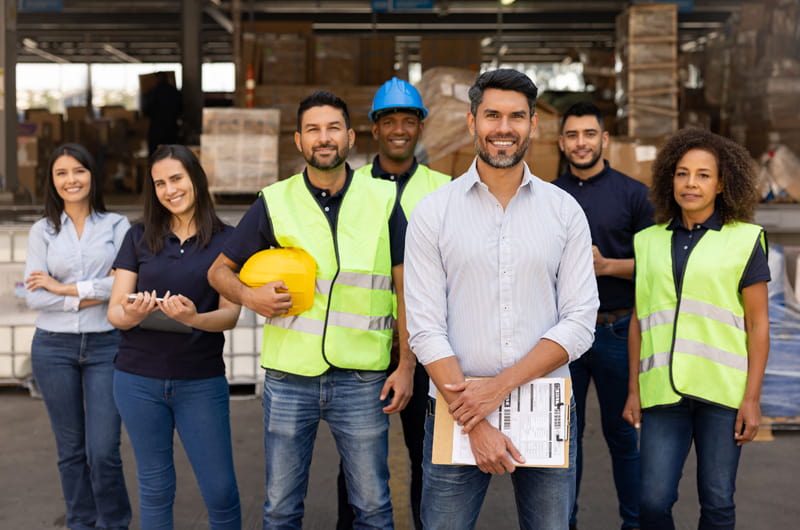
499, 284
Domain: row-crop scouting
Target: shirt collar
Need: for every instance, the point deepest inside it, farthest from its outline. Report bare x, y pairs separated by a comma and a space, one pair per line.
473, 179
712, 223
92, 217
318, 192
379, 173
603, 172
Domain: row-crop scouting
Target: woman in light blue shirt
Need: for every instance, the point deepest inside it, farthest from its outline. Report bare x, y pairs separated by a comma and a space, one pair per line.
68, 277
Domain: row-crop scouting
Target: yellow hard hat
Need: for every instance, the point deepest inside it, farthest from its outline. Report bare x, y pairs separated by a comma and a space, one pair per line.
294, 266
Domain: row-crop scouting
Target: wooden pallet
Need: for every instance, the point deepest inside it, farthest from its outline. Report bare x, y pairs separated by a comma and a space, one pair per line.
780, 423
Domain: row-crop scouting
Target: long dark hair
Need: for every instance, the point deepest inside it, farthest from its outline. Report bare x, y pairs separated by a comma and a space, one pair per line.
157, 219
53, 203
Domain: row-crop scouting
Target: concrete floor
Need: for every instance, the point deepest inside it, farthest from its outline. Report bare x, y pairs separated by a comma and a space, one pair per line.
767, 496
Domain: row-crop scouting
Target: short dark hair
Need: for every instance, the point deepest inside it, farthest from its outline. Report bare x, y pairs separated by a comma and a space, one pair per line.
736, 169
53, 203
583, 108
156, 218
502, 79
322, 98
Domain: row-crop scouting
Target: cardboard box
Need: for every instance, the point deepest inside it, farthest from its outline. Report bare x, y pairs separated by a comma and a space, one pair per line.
283, 59
239, 148
118, 112
463, 53
335, 60
377, 60
27, 179
48, 125
27, 150
632, 157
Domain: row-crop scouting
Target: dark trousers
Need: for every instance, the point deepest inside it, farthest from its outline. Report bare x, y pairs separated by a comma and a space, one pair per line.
413, 419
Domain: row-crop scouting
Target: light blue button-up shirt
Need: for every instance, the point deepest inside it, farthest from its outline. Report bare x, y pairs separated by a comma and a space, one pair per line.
487, 284
85, 261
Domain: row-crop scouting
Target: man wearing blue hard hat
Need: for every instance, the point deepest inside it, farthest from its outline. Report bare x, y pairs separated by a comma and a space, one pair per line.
396, 115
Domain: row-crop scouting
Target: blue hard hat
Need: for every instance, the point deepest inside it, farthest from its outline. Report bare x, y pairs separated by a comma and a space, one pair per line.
397, 94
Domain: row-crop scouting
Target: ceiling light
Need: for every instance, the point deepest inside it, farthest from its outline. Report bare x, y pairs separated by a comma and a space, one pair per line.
507, 2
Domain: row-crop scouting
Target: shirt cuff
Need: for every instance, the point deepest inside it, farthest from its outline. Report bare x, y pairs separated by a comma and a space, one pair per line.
71, 303
85, 289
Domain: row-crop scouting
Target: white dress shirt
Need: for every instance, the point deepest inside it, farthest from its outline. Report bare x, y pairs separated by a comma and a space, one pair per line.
487, 284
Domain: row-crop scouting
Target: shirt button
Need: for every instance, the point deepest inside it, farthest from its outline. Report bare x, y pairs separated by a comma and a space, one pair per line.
391, 177
181, 251
580, 184
324, 194
505, 308
327, 209
505, 272
685, 247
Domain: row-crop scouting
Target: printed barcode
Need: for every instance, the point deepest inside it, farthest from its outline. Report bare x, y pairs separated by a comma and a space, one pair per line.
507, 421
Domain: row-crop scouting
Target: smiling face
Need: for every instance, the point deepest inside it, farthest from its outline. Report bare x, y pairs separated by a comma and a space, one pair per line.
397, 135
582, 141
72, 181
324, 138
174, 187
696, 184
502, 127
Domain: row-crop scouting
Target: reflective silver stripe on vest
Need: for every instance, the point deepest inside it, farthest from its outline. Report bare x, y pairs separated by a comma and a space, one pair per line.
725, 358
377, 282
362, 322
657, 360
298, 323
323, 286
658, 318
712, 312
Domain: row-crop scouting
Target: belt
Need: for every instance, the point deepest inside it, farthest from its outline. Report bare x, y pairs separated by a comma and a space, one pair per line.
609, 317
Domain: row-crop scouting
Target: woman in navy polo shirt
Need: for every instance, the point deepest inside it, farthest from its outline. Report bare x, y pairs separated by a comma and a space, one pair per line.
169, 369
699, 337
70, 252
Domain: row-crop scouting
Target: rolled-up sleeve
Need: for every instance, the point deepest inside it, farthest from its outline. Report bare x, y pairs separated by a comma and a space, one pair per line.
425, 286
576, 286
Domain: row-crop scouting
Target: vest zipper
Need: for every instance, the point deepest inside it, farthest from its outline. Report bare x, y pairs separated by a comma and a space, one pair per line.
334, 230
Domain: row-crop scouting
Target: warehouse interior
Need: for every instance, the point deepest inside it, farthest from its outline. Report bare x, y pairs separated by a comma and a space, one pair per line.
727, 65
242, 66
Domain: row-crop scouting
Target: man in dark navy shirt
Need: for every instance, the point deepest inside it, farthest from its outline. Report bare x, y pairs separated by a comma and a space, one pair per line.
616, 207
328, 362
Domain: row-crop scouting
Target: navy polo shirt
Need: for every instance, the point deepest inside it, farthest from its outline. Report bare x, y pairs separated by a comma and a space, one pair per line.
401, 179
685, 239
179, 269
616, 207
254, 232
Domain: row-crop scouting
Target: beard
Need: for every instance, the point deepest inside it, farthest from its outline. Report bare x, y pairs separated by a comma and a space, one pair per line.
501, 161
338, 160
586, 165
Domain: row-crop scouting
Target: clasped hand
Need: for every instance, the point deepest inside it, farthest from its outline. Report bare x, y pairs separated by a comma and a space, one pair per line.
477, 398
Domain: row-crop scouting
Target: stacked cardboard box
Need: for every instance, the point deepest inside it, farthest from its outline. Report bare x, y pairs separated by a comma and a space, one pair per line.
764, 94
239, 148
647, 80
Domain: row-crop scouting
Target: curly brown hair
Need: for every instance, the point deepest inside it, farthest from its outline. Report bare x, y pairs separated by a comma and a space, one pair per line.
737, 173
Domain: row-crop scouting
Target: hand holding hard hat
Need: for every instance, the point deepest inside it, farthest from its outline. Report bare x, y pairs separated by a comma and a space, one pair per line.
293, 266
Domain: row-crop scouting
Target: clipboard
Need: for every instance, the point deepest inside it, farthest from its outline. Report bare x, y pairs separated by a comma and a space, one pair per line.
158, 321
445, 427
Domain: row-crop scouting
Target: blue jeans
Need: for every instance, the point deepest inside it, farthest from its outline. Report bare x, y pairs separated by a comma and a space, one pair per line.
74, 374
199, 409
607, 364
452, 495
667, 435
348, 401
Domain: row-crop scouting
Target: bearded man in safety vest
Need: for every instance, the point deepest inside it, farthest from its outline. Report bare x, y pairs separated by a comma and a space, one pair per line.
397, 120
330, 361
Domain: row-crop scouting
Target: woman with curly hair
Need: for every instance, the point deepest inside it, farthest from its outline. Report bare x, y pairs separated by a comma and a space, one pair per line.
699, 336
